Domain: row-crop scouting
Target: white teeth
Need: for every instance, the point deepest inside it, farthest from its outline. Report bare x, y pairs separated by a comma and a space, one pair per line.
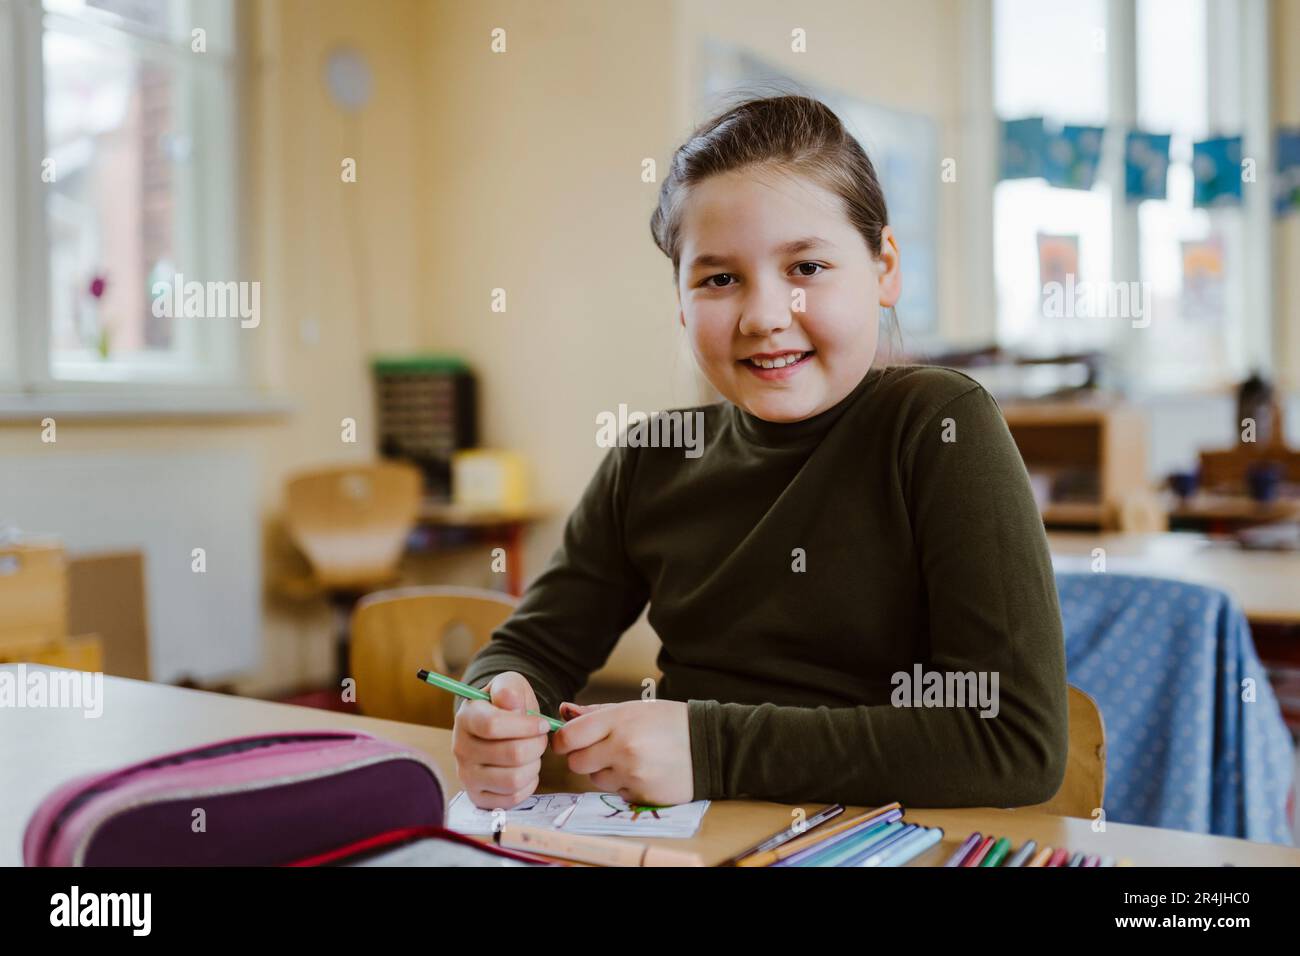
780, 362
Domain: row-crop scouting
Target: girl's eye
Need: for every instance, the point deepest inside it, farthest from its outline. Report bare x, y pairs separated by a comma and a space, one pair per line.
727, 275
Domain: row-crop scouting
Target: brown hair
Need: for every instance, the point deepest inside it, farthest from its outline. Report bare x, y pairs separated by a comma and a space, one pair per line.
788, 133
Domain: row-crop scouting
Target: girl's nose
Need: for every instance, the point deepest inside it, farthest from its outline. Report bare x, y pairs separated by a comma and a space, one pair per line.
763, 314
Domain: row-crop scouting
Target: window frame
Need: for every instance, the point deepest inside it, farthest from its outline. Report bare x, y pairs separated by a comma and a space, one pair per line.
222, 379
1239, 100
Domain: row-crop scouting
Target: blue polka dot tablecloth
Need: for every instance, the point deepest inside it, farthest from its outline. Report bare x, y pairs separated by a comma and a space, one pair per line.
1194, 736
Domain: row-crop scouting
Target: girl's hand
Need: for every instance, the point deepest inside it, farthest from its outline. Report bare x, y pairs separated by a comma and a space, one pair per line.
639, 749
498, 747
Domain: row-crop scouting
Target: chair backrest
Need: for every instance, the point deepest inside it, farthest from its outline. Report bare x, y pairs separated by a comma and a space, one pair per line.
352, 521
399, 632
1166, 662
1085, 768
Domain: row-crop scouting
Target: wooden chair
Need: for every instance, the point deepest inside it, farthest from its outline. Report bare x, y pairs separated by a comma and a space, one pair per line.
1085, 769
396, 633
351, 522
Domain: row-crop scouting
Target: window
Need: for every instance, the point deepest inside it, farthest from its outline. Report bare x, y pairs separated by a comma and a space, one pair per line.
122, 185
1149, 65
1047, 63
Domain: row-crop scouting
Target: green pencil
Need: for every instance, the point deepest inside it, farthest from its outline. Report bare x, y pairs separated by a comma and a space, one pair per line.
473, 693
997, 853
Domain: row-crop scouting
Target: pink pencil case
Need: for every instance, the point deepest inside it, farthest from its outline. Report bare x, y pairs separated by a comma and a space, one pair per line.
250, 801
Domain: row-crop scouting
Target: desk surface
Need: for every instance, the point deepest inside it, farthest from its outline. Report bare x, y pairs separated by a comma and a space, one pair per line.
41, 748
1263, 582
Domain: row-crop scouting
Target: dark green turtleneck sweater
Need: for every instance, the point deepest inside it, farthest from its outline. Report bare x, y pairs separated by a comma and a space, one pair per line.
921, 545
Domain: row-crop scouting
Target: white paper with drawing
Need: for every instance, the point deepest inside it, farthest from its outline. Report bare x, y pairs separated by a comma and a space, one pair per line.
596, 814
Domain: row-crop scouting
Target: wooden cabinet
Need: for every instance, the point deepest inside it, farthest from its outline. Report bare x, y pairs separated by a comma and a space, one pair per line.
1088, 463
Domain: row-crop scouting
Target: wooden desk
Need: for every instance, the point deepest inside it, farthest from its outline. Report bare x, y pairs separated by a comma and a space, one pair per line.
1223, 514
505, 528
41, 748
1265, 583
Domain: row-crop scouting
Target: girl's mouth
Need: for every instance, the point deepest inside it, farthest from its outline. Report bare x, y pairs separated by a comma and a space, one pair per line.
781, 367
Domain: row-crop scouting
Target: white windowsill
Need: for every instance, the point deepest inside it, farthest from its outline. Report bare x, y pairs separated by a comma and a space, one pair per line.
111, 406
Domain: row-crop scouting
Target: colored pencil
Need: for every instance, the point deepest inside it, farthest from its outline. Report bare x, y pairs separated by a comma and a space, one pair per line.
977, 855
998, 853
847, 849
1022, 855
771, 857
856, 837
910, 848
963, 851
1043, 856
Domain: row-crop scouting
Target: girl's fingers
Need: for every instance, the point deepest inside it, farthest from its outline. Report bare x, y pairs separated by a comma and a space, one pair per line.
486, 720
505, 753
505, 780
568, 709
591, 760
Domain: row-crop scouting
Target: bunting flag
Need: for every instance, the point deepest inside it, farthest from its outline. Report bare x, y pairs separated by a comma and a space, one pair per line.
1146, 165
1071, 158
1023, 144
1216, 166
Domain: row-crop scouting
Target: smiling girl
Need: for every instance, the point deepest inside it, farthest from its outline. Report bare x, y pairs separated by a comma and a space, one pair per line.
846, 522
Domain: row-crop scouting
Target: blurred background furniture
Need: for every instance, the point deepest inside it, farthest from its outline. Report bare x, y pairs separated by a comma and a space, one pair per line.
1087, 462
34, 625
106, 596
426, 409
1253, 483
351, 522
1195, 737
444, 525
399, 632
1262, 583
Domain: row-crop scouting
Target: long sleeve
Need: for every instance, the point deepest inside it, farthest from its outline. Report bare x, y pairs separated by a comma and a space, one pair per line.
575, 611
992, 606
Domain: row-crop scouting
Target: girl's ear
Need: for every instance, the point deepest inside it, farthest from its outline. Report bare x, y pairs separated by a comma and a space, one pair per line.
891, 275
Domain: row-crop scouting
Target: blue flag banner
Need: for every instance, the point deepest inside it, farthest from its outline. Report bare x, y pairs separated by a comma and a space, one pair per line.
1072, 155
1146, 165
1216, 166
1287, 184
1023, 145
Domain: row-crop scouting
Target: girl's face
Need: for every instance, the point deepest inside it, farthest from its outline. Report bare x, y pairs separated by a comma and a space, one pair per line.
774, 274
